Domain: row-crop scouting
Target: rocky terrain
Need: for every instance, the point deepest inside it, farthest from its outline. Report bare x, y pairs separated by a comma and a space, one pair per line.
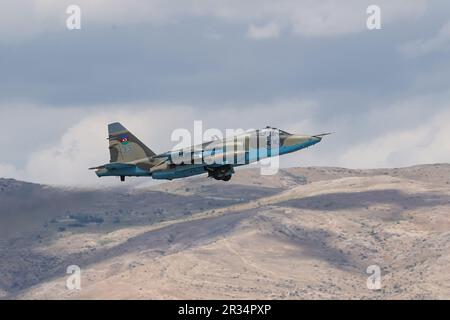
305, 233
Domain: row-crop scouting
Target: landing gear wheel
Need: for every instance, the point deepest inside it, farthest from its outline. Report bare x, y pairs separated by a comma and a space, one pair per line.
122, 178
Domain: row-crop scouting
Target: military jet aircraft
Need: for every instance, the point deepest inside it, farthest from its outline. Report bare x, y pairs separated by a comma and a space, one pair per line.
129, 157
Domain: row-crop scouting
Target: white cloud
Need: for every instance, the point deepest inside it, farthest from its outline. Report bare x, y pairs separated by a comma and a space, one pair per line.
268, 31
9, 171
334, 17
404, 134
439, 42
27, 18
426, 143
84, 144
64, 160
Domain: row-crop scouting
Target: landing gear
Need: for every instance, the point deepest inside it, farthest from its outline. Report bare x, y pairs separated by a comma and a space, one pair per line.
222, 173
122, 178
223, 178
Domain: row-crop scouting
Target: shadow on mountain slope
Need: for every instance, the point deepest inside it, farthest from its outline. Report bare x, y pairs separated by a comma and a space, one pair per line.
31, 268
365, 199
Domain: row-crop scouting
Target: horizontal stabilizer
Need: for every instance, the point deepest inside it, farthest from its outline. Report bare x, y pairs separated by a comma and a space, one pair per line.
114, 166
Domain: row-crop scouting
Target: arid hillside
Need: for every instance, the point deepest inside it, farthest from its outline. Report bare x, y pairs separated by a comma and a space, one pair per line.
305, 233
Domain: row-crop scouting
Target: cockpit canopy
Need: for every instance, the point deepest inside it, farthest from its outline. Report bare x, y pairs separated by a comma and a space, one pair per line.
282, 132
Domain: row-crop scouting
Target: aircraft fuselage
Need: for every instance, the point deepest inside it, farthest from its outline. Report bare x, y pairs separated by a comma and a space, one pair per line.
217, 158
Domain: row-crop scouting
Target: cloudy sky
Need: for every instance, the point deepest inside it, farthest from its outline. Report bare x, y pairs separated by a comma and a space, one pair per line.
305, 66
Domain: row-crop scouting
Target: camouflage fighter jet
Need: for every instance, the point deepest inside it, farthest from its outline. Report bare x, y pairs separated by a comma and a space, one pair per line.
129, 157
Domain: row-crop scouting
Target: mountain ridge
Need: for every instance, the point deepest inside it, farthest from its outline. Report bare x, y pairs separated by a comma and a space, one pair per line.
304, 233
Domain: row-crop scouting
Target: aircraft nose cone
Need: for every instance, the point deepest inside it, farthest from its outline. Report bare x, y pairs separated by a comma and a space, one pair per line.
295, 140
301, 140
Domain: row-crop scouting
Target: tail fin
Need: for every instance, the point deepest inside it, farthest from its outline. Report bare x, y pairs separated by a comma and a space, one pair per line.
124, 146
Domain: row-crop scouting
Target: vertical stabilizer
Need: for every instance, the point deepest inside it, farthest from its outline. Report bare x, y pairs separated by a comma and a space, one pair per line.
124, 146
